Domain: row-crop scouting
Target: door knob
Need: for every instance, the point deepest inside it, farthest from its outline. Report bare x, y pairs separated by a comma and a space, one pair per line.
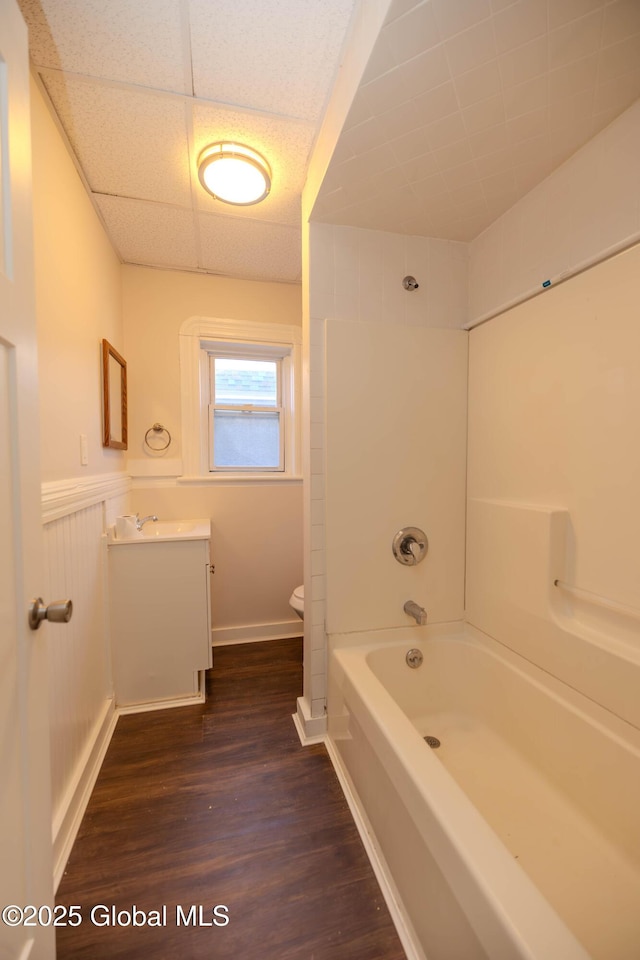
57, 612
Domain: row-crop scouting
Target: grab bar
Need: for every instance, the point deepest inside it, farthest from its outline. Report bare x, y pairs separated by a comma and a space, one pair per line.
595, 598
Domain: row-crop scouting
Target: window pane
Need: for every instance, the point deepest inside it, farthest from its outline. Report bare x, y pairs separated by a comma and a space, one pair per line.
244, 439
246, 381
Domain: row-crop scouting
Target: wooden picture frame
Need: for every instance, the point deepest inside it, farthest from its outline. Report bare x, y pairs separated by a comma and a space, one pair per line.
114, 398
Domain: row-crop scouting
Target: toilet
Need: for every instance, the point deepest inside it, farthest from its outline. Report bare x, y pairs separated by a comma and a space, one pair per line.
296, 601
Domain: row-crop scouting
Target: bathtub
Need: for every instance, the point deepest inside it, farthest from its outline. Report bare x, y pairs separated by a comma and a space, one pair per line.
519, 836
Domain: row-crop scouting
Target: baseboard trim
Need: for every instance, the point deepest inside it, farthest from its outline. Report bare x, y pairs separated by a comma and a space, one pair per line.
160, 705
401, 921
256, 632
310, 729
305, 740
67, 821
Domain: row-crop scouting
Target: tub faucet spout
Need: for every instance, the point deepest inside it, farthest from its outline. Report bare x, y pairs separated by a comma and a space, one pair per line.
140, 523
418, 613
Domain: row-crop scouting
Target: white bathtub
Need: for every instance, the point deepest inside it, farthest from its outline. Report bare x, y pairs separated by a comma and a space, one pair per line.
519, 837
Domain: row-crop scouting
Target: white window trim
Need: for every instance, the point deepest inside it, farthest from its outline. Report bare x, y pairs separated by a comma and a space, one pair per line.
194, 389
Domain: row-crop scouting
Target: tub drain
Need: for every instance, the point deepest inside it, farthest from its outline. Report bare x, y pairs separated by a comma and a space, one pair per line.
432, 741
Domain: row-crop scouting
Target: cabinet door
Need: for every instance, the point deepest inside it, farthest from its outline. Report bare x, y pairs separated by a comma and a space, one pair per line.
160, 619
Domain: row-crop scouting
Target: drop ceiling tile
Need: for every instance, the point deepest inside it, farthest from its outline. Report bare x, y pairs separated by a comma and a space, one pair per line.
285, 144
562, 11
469, 193
380, 61
281, 206
426, 71
573, 79
576, 40
412, 34
472, 48
396, 122
151, 233
453, 155
487, 113
524, 97
250, 249
528, 125
519, 24
460, 176
454, 16
430, 188
362, 138
290, 53
411, 145
123, 40
621, 20
446, 131
566, 111
128, 142
359, 111
491, 164
526, 62
436, 104
499, 184
385, 93
489, 142
618, 59
617, 94
369, 164
420, 167
478, 84
497, 5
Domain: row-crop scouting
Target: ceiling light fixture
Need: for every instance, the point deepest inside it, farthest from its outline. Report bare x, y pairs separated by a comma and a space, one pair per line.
234, 173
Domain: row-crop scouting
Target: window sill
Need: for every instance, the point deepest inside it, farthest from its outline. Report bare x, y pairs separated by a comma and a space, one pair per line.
239, 478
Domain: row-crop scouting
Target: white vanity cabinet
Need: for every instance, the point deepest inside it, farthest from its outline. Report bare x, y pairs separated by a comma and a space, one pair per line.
160, 619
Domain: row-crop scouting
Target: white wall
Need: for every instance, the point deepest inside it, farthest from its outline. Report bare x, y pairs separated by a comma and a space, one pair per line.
256, 526
554, 407
396, 432
78, 302
584, 211
356, 275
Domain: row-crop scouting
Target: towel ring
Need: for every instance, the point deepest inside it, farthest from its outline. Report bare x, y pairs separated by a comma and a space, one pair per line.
156, 431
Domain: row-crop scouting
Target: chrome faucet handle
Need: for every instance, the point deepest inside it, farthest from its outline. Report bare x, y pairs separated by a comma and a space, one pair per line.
410, 545
415, 547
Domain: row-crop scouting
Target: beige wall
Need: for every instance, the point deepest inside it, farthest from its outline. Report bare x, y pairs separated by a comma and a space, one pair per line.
257, 527
554, 407
78, 302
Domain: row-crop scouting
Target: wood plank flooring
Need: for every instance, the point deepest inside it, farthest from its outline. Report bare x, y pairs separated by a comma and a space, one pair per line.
219, 804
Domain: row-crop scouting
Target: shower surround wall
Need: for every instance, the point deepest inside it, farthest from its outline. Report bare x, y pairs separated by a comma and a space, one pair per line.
355, 280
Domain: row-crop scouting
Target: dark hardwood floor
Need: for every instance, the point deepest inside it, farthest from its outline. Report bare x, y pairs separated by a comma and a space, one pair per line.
219, 804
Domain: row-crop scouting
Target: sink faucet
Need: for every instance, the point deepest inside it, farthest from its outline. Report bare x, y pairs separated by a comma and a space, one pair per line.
418, 613
140, 523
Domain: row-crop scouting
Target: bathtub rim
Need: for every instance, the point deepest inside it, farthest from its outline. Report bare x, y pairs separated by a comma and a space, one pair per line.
509, 913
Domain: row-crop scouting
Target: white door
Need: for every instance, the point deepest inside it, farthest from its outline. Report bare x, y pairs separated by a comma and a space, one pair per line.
25, 806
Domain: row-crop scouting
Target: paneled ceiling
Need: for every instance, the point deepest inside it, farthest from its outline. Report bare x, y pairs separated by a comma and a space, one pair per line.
464, 106
141, 86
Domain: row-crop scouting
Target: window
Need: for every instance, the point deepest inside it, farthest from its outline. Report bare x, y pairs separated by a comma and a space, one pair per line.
241, 399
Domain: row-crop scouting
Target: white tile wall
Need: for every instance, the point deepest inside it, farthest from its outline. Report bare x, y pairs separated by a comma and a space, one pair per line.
356, 274
588, 208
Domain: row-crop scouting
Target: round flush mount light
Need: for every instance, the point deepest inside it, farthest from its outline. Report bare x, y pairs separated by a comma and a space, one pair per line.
234, 173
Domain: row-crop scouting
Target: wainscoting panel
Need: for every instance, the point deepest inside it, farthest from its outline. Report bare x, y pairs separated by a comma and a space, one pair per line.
80, 689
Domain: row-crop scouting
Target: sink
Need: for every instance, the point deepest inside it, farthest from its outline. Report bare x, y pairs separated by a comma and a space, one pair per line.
166, 530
